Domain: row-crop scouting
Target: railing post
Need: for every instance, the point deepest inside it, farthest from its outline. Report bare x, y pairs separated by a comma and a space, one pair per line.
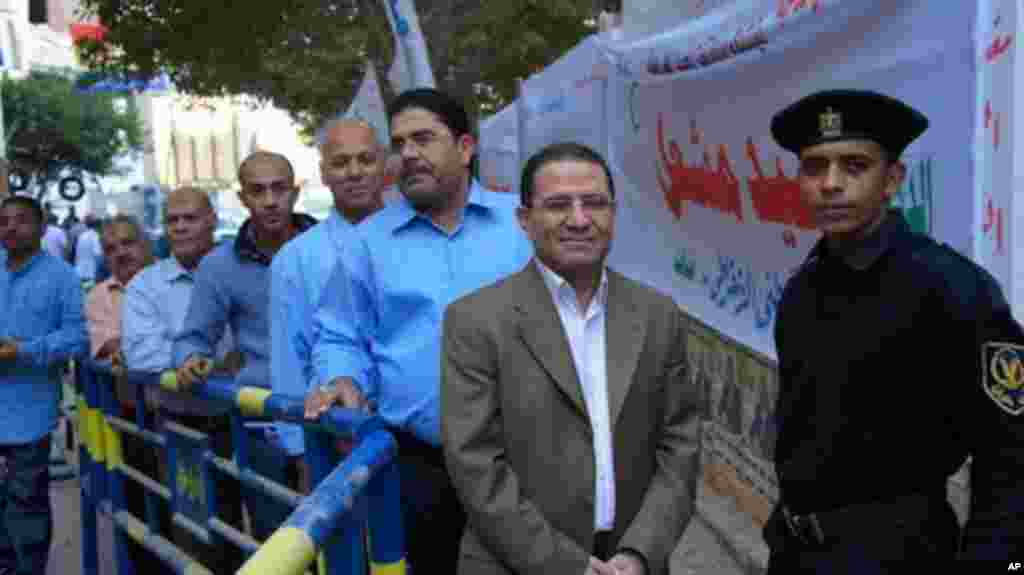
345, 551
387, 533
87, 469
116, 483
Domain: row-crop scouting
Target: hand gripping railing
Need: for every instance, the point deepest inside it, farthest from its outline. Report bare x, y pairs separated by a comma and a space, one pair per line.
361, 489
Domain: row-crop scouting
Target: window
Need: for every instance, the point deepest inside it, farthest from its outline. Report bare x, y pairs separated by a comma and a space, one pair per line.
37, 11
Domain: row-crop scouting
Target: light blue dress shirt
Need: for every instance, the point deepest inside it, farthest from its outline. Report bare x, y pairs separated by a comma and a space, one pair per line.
41, 309
153, 313
379, 320
298, 275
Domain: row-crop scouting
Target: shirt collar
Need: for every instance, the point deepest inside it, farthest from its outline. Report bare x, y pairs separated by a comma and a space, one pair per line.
479, 198
560, 287
866, 252
28, 265
112, 284
174, 271
245, 243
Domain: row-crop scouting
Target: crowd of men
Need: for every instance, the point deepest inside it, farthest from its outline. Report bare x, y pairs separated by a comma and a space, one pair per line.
541, 402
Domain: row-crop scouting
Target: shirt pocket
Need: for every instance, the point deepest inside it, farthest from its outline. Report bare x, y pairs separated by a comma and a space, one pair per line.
37, 316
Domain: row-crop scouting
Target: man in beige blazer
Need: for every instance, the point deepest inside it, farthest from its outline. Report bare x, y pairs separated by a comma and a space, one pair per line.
568, 424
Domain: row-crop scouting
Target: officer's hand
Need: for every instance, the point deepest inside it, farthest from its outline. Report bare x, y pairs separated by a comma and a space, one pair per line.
598, 567
195, 370
626, 564
341, 391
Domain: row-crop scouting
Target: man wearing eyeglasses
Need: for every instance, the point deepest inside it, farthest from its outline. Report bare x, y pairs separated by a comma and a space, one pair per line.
231, 289
377, 333
568, 423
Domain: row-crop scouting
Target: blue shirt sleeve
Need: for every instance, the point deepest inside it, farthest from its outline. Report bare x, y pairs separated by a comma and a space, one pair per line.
208, 313
70, 339
145, 338
289, 312
344, 320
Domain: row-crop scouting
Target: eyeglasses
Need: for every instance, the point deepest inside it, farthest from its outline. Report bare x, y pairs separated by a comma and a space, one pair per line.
563, 205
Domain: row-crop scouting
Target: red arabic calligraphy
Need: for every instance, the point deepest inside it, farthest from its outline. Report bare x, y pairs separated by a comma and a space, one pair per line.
994, 219
788, 7
714, 188
992, 122
777, 198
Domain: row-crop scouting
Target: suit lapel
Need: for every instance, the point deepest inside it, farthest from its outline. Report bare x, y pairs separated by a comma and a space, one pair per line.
624, 339
541, 331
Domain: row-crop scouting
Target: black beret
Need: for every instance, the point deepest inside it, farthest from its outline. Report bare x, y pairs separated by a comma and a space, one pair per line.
835, 115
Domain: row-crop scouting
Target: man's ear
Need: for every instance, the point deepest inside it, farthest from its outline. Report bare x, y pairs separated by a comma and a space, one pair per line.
896, 172
467, 147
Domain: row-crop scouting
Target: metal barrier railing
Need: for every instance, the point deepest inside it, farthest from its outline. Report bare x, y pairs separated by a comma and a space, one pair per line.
326, 527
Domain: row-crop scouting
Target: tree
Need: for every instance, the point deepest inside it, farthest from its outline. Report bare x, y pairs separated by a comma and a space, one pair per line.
307, 56
53, 132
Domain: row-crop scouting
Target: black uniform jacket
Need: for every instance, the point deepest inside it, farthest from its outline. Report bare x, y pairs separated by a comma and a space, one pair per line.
898, 361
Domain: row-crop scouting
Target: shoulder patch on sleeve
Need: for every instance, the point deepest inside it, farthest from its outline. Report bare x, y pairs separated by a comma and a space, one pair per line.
1002, 375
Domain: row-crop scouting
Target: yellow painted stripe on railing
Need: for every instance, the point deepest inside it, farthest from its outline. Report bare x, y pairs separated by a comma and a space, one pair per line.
196, 568
169, 380
289, 550
251, 400
92, 432
80, 415
111, 445
396, 568
137, 530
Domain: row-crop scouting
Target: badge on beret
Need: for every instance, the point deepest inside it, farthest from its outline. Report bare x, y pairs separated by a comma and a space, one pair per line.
830, 123
1003, 375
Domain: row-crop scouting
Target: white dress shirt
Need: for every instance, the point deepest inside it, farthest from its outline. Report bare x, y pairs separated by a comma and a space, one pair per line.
88, 252
586, 334
55, 242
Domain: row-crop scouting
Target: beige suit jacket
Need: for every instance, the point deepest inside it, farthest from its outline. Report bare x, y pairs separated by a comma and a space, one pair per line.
518, 442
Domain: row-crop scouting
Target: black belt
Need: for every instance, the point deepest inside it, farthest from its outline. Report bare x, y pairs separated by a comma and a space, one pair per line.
818, 529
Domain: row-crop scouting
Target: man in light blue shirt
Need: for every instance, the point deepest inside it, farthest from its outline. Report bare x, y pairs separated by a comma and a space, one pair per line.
155, 303
41, 324
232, 288
378, 327
352, 166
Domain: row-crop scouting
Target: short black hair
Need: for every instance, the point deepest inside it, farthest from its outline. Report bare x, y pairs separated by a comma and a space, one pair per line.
31, 203
451, 113
559, 152
263, 156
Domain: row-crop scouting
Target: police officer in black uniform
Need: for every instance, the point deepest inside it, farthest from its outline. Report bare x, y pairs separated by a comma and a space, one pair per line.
898, 359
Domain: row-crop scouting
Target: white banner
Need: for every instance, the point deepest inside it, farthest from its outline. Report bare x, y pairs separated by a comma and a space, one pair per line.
498, 151
411, 65
710, 208
368, 105
566, 101
994, 145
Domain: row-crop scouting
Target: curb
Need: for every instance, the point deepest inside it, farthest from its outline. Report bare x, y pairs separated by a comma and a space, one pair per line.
735, 531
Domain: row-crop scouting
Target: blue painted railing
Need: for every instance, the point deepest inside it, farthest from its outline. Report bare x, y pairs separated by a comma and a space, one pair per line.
326, 527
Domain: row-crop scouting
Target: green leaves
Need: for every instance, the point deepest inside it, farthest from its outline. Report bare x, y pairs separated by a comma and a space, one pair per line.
45, 118
307, 56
